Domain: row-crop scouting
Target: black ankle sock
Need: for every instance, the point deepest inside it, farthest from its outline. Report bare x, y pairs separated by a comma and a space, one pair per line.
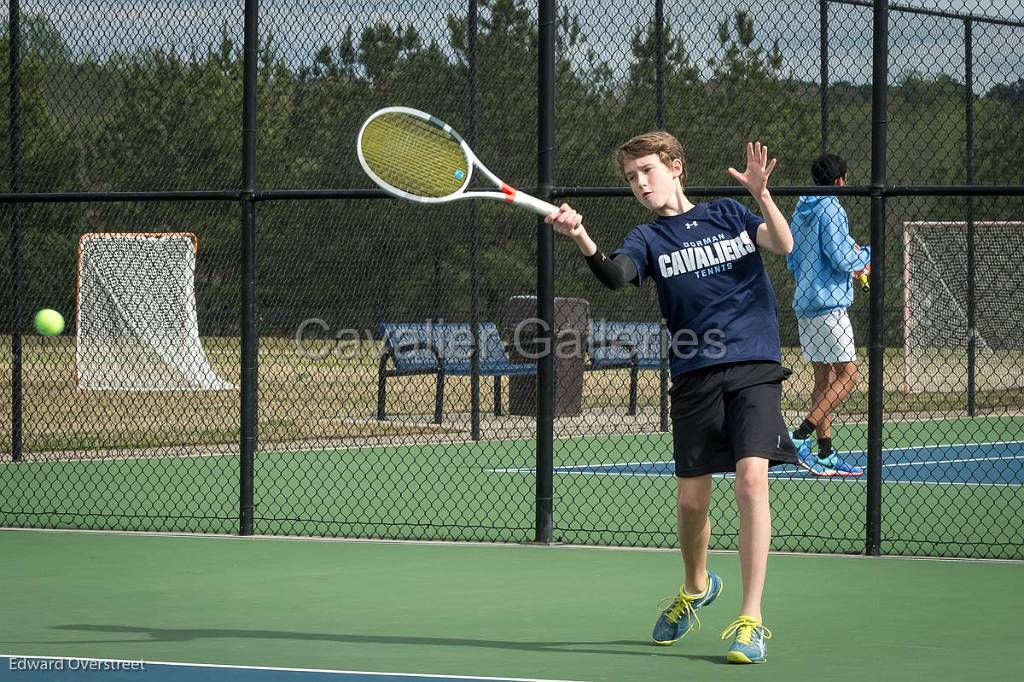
824, 448
804, 430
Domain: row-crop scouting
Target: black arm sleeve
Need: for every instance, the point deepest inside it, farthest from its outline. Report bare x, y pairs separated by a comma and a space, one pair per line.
614, 272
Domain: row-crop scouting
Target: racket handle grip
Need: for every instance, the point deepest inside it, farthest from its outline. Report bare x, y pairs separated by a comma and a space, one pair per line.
533, 203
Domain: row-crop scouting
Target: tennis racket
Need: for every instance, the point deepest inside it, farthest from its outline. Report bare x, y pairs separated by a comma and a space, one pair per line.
418, 157
863, 277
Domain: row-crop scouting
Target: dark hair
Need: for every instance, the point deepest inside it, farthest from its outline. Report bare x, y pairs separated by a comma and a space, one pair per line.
828, 168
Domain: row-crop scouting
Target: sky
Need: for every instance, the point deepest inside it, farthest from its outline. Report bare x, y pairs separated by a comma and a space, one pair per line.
923, 44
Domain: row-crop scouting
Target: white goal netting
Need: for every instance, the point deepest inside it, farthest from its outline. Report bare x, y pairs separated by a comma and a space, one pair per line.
936, 306
137, 324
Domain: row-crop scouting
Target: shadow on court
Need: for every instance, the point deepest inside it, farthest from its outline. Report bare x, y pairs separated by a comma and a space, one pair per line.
193, 634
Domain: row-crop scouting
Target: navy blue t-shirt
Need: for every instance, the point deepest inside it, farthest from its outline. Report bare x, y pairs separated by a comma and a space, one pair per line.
715, 294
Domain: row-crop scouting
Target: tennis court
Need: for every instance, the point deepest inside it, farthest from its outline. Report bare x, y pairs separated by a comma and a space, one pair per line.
609, 489
387, 610
294, 387
989, 464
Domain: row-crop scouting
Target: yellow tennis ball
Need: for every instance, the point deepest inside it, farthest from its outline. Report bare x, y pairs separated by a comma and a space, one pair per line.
49, 322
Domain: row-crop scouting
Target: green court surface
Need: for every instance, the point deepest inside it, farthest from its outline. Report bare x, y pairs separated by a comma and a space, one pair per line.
942, 506
490, 610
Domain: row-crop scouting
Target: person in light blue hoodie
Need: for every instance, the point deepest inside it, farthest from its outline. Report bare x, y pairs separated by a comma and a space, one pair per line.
823, 259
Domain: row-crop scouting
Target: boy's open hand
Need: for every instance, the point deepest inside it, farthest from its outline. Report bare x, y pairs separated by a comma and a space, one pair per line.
755, 177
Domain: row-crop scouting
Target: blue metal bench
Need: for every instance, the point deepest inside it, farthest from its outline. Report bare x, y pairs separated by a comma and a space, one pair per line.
442, 349
632, 345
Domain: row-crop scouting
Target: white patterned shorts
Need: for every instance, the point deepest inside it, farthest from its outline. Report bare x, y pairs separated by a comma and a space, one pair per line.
827, 338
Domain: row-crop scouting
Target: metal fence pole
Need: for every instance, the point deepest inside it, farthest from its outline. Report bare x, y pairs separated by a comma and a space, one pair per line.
250, 337
545, 273
14, 31
474, 226
972, 331
876, 350
659, 63
823, 44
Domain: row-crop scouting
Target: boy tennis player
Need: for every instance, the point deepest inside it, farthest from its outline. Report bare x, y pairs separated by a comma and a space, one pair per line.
725, 357
822, 262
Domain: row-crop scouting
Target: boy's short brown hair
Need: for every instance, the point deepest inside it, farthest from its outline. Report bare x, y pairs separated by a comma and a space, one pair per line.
659, 142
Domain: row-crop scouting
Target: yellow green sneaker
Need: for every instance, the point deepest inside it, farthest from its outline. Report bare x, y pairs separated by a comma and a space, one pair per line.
748, 645
681, 615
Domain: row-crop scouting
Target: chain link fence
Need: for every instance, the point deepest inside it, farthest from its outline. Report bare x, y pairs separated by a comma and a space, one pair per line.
125, 119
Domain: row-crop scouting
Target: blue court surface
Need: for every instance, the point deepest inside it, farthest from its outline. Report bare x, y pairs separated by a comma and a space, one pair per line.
53, 669
964, 463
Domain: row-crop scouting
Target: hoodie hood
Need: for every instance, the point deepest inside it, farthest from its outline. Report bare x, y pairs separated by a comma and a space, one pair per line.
813, 204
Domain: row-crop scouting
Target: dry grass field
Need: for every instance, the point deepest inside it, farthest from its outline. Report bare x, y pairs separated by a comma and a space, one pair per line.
327, 394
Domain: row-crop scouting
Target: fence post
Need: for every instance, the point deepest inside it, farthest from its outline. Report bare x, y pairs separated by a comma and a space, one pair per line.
545, 272
972, 331
474, 226
250, 337
659, 63
14, 31
876, 350
823, 45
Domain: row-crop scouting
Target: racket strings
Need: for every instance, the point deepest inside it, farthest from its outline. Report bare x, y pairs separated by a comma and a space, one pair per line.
414, 156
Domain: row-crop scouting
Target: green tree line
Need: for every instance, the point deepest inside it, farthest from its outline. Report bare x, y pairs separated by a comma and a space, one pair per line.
157, 119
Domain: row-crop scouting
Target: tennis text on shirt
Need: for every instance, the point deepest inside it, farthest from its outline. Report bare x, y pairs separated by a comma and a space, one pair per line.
705, 256
715, 296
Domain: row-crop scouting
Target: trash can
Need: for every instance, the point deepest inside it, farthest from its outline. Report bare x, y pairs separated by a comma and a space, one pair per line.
572, 317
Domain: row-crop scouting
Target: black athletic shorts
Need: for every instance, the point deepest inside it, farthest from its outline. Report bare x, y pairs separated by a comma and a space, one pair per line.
723, 413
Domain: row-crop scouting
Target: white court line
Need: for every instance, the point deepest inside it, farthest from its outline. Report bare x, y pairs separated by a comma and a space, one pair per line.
774, 476
925, 420
311, 450
619, 468
953, 461
944, 445
530, 470
786, 476
291, 670
520, 470
327, 450
582, 468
